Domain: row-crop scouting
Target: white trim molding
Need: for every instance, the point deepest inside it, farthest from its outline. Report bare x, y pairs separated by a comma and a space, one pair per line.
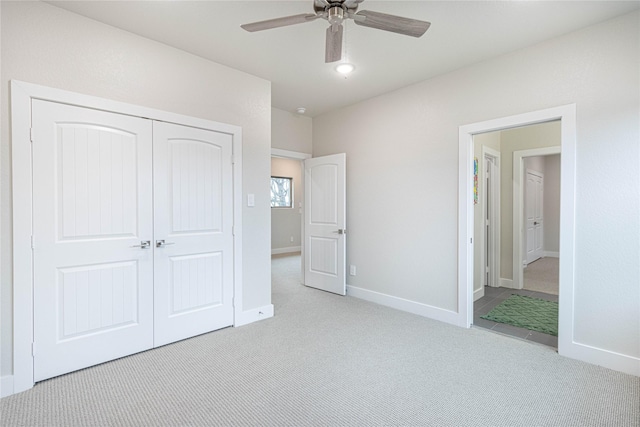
550, 254
6, 386
402, 304
21, 96
492, 205
286, 154
478, 293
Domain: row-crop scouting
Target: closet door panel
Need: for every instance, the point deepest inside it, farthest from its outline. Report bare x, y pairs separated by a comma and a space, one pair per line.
193, 216
92, 208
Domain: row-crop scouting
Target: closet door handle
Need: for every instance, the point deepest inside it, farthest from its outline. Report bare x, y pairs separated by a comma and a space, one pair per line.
144, 244
162, 243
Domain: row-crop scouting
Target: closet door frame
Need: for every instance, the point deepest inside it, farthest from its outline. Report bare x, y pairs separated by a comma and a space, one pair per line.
21, 136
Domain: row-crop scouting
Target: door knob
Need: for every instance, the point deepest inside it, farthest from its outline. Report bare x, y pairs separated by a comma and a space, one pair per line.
144, 244
162, 243
341, 231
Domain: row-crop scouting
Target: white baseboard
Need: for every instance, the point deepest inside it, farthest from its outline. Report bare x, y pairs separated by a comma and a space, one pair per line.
601, 357
6, 385
478, 293
250, 316
402, 304
290, 249
507, 283
549, 254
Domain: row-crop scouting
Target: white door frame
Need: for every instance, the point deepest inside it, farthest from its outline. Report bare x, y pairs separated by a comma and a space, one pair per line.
493, 204
518, 205
300, 157
567, 116
21, 95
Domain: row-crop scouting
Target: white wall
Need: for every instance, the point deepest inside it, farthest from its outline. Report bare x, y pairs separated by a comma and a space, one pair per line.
45, 45
291, 131
286, 223
402, 173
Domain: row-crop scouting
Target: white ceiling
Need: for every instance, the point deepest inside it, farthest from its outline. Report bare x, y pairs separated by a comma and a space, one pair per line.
292, 58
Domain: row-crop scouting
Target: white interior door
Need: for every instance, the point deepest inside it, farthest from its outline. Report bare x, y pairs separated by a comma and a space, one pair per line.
193, 216
325, 223
533, 215
92, 210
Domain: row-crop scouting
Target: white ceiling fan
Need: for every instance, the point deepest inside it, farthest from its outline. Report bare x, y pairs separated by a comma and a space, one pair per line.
336, 11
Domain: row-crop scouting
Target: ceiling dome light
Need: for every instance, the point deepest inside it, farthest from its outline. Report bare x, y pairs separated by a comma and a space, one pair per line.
345, 68
301, 110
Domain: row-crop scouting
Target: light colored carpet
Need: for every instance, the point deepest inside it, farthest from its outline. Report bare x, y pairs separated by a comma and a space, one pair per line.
542, 275
331, 360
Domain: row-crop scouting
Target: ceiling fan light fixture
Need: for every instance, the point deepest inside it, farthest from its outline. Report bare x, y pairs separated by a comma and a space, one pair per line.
345, 68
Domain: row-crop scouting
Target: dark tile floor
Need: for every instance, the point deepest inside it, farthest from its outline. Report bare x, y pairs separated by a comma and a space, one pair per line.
494, 296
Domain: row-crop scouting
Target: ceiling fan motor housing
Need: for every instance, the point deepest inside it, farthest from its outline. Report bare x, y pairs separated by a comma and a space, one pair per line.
322, 6
336, 15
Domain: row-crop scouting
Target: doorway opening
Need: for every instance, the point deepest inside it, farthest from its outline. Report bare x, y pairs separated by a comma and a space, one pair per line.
287, 224
565, 116
521, 203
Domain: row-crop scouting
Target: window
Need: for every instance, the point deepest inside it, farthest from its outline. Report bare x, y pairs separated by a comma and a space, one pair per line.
281, 192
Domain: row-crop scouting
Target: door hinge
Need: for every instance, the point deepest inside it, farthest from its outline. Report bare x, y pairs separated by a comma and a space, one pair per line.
233, 302
31, 134
233, 230
471, 240
32, 244
33, 348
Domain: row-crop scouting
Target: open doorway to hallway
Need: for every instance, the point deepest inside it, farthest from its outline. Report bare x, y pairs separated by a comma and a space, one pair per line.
516, 232
287, 197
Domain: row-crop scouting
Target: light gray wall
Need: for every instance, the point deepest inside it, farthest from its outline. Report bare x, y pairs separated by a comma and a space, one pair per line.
286, 223
524, 138
535, 163
45, 45
402, 173
291, 131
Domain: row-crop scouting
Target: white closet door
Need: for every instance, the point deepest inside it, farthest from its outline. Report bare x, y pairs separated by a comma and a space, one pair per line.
92, 207
193, 219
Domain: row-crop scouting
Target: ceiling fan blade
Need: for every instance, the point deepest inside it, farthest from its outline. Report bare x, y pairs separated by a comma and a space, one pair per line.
351, 3
333, 50
396, 24
280, 22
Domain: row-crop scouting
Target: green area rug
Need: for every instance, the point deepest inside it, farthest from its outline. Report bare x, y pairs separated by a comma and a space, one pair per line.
530, 313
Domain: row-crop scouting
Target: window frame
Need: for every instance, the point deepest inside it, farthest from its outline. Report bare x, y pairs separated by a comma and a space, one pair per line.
291, 206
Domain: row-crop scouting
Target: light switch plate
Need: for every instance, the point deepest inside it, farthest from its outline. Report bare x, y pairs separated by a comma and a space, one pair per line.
251, 200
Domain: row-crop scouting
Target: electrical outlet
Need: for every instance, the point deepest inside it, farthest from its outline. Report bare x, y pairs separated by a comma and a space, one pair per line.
352, 270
